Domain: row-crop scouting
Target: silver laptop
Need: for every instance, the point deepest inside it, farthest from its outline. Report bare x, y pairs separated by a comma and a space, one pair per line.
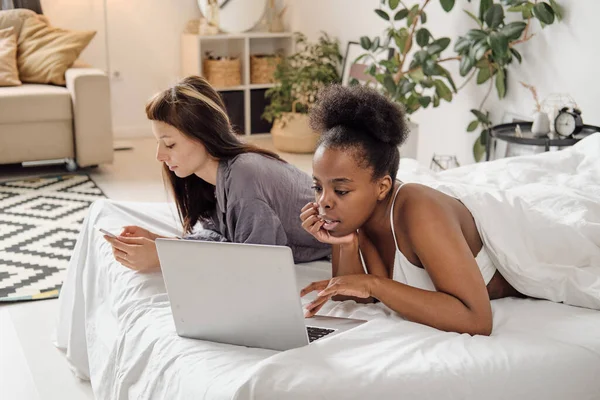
239, 294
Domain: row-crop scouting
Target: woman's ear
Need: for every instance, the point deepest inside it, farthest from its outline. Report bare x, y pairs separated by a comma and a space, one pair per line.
385, 185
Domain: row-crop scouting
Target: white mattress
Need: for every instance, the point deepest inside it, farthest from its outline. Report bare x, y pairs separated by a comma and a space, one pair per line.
117, 330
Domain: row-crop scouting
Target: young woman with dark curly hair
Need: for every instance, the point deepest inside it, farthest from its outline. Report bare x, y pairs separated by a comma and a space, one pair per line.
423, 254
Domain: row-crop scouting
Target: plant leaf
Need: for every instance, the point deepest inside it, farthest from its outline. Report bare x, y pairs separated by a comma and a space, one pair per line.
544, 13
466, 63
483, 75
406, 87
423, 36
511, 2
501, 83
517, 55
423, 17
417, 75
499, 44
479, 148
427, 83
446, 74
429, 67
389, 84
527, 10
394, 4
470, 14
478, 50
412, 14
472, 126
401, 14
436, 101
484, 5
365, 42
476, 34
494, 16
438, 46
514, 30
518, 8
461, 44
420, 56
375, 44
424, 101
442, 90
481, 117
447, 5
402, 41
383, 14
558, 11
412, 103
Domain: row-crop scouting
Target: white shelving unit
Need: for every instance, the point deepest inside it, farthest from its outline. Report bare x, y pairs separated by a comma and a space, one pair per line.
242, 45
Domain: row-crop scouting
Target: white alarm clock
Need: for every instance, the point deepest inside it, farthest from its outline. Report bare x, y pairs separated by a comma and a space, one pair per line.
568, 122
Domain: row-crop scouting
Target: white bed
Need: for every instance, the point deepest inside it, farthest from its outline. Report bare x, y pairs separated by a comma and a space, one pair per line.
117, 330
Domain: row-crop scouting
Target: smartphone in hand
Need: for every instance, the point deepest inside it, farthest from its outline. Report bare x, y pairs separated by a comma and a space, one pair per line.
107, 233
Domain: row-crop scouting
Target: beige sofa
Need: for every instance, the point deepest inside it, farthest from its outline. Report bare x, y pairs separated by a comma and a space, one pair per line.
45, 122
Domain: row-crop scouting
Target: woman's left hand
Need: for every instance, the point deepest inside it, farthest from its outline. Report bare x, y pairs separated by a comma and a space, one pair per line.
137, 253
347, 285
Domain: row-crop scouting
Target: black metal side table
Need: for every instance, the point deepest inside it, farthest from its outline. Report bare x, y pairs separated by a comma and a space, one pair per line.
508, 133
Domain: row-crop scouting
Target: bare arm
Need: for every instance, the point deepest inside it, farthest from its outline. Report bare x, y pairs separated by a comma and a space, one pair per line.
461, 302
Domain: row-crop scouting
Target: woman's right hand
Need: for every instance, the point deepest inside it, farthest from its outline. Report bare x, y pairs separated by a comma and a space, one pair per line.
136, 231
313, 224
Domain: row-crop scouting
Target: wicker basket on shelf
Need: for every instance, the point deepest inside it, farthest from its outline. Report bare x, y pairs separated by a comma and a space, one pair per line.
262, 68
223, 72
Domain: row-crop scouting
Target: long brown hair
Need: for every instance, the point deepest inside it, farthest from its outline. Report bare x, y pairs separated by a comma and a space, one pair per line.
194, 108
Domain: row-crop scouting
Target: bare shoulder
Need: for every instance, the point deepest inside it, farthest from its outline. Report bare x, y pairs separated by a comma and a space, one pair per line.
419, 207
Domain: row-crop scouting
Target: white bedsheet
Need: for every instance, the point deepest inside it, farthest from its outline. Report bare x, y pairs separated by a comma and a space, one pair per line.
117, 330
539, 217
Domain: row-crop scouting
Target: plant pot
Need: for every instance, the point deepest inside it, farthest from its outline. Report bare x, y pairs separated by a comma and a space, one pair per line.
292, 134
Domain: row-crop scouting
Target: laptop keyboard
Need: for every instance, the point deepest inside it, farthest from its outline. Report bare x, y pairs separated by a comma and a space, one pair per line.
315, 333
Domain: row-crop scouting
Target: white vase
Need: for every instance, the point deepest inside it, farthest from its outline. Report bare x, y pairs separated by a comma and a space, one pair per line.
541, 124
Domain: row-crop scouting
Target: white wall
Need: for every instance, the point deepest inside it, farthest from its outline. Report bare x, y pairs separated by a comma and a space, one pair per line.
561, 58
143, 48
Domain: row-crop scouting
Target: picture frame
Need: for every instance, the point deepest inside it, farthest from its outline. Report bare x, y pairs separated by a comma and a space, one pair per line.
354, 72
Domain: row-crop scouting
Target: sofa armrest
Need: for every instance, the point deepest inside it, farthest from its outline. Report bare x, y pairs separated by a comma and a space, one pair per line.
92, 124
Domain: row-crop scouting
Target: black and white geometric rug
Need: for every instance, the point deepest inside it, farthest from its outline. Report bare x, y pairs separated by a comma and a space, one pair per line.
40, 220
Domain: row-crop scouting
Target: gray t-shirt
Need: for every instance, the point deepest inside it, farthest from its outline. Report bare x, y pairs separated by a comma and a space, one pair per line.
259, 201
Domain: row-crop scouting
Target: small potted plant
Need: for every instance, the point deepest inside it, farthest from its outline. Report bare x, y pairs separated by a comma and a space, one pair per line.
299, 78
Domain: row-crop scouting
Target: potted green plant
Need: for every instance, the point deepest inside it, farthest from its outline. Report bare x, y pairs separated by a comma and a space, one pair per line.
415, 75
298, 78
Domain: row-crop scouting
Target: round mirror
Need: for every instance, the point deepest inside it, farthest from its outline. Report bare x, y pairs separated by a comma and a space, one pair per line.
237, 15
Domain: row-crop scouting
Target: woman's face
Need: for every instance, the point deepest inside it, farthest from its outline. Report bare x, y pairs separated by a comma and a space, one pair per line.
345, 191
181, 154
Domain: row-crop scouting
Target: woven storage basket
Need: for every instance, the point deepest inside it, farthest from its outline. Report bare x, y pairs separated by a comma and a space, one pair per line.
262, 68
223, 73
292, 133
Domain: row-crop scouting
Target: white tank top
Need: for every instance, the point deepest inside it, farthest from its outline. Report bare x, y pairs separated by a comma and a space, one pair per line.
409, 274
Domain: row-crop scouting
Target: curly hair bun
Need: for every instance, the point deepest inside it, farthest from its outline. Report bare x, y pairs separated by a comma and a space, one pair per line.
359, 109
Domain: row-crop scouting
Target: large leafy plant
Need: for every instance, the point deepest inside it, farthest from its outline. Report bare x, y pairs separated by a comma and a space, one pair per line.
300, 76
415, 75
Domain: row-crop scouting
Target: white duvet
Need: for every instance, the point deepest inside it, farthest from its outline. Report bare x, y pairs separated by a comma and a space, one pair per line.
117, 329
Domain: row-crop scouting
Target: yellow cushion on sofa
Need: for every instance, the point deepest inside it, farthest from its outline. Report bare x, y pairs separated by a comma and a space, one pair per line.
15, 18
9, 74
45, 52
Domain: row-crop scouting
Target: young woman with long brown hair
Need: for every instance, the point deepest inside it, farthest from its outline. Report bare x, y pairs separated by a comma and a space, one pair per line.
243, 193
